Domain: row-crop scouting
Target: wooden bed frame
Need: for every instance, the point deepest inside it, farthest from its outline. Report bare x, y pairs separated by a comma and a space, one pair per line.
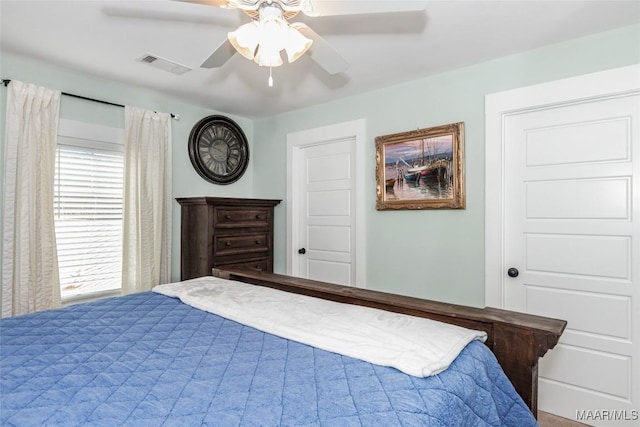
518, 340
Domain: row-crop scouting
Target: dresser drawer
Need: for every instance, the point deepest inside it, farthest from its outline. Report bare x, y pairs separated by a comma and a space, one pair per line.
243, 243
261, 264
247, 217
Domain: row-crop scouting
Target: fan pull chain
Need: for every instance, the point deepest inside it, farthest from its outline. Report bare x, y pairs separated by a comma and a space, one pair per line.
270, 77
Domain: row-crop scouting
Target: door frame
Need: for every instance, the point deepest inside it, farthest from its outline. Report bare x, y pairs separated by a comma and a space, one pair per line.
498, 106
296, 142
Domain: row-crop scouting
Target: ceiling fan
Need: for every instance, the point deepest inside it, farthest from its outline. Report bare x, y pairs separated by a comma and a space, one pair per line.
270, 32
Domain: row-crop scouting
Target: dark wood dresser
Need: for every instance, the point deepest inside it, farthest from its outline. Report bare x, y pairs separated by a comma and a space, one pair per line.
218, 232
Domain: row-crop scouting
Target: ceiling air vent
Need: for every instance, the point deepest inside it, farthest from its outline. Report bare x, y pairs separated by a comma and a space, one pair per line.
163, 64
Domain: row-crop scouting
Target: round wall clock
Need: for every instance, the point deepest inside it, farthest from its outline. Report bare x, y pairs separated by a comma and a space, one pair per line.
218, 149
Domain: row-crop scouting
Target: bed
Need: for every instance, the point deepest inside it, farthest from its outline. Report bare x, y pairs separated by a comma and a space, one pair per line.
152, 359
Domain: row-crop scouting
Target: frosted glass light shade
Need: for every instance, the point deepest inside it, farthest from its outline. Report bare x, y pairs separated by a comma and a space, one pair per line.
296, 45
245, 39
266, 57
274, 32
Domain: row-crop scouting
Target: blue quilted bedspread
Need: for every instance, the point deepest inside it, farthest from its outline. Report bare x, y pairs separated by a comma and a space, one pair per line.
150, 360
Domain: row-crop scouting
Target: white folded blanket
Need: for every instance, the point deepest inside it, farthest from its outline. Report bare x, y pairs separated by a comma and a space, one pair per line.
416, 346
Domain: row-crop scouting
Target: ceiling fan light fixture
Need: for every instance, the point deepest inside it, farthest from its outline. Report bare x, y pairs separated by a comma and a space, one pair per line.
245, 39
262, 40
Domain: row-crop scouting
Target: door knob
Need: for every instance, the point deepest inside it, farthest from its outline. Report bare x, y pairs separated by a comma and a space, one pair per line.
302, 251
513, 272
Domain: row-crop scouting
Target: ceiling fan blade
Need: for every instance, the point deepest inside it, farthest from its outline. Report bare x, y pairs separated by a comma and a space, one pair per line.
222, 54
359, 7
219, 3
322, 52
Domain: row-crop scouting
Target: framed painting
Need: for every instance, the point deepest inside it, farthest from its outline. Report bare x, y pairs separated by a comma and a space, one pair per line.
421, 169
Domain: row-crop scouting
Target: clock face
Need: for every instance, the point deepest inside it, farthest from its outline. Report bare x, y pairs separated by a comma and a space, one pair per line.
218, 149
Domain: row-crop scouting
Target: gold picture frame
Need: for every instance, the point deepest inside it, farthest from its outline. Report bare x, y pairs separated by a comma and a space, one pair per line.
421, 169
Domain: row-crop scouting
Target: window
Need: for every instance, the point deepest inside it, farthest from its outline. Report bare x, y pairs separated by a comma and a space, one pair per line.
88, 208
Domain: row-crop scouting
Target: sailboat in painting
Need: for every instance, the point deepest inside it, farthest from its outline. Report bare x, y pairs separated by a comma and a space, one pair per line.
428, 165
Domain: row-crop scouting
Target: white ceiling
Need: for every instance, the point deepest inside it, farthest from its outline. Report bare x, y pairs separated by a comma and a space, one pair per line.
104, 38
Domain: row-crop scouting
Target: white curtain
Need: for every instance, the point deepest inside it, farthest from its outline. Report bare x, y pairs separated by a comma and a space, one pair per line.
146, 258
30, 279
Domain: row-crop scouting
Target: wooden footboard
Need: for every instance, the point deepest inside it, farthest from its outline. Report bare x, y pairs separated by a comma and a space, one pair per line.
518, 340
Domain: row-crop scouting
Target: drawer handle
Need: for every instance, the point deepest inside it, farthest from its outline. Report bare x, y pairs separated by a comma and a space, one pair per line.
258, 242
228, 244
227, 217
259, 217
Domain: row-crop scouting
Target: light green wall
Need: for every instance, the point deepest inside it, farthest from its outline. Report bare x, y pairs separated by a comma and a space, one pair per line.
186, 182
431, 254
435, 254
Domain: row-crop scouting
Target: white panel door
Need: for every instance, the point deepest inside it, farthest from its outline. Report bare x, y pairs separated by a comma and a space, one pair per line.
326, 213
571, 229
327, 223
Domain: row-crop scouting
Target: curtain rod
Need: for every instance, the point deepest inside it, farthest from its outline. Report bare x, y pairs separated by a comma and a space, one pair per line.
5, 82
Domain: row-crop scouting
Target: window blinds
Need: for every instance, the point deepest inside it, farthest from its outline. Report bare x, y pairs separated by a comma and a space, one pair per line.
88, 215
